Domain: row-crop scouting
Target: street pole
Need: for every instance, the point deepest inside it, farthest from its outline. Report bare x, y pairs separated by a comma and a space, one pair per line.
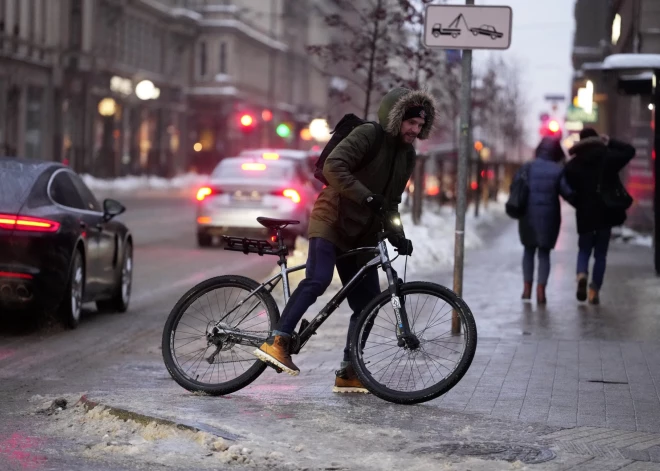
656, 173
463, 156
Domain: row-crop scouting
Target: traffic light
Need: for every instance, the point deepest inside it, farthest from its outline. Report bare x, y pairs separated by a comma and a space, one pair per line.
247, 122
550, 127
283, 130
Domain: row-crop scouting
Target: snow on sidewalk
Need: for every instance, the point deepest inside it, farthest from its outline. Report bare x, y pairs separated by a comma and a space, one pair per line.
188, 182
433, 238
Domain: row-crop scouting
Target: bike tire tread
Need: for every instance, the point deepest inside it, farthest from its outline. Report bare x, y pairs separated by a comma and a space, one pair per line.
184, 302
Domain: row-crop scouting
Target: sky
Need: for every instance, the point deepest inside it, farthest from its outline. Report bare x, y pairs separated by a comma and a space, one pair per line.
542, 39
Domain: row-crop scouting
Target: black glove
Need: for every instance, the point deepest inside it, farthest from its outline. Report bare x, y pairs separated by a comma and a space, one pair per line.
374, 202
403, 245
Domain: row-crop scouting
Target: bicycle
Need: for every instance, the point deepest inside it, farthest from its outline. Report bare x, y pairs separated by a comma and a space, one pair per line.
224, 336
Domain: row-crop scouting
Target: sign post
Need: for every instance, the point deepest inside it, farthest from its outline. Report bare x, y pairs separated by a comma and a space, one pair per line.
465, 27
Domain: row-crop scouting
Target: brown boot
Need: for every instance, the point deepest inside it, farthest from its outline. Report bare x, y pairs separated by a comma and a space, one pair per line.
593, 296
347, 381
581, 287
540, 294
275, 351
527, 290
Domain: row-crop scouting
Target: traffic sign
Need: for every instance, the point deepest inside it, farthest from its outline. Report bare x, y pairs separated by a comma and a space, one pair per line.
468, 26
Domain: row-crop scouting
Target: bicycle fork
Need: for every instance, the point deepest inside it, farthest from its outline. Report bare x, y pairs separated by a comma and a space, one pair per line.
405, 337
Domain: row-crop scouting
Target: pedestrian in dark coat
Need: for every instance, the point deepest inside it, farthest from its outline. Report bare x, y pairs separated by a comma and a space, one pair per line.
539, 227
595, 158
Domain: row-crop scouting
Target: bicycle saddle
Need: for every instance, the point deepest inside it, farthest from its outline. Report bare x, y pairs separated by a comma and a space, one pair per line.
276, 223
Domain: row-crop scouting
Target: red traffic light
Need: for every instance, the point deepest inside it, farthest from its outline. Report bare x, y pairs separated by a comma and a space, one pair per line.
247, 120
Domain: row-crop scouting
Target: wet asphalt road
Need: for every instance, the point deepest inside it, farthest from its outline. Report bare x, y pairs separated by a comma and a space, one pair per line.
538, 373
104, 350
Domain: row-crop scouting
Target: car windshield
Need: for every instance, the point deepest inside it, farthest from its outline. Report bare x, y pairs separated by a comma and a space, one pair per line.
249, 168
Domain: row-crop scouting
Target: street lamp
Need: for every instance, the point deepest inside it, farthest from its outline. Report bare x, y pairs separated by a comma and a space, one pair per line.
107, 107
146, 90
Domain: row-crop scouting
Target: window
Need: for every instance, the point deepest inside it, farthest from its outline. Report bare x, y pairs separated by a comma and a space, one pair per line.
202, 59
223, 58
616, 29
63, 191
89, 200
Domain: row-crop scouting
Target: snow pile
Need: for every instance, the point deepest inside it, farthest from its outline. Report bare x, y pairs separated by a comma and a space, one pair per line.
145, 182
103, 435
433, 239
629, 236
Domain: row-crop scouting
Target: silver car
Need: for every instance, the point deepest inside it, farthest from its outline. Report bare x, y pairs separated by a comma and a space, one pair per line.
240, 189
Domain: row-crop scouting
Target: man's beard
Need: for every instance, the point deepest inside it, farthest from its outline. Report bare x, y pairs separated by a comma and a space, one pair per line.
409, 138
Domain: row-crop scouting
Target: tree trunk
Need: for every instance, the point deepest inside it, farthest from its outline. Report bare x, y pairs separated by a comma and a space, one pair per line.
372, 59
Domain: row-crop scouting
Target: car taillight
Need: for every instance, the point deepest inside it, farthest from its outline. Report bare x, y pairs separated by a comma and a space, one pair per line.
290, 193
252, 167
207, 191
26, 223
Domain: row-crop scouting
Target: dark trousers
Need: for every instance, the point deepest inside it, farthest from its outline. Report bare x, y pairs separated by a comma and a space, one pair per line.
321, 261
544, 264
597, 242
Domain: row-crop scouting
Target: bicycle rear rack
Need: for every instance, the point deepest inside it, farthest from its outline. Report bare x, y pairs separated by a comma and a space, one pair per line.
245, 245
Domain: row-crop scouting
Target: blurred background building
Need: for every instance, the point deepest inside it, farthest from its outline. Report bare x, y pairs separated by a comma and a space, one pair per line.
616, 47
115, 87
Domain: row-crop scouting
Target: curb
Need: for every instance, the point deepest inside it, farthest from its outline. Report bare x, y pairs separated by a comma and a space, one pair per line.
144, 419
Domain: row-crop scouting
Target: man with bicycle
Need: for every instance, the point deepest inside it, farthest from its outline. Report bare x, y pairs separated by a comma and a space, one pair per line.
345, 217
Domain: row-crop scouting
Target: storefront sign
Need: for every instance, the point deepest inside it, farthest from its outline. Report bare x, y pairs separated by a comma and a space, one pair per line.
121, 85
573, 113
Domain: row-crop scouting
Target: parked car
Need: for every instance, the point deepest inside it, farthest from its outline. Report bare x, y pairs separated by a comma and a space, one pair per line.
59, 247
289, 154
240, 189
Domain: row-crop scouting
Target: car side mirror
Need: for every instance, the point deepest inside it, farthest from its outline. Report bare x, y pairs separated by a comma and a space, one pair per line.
112, 208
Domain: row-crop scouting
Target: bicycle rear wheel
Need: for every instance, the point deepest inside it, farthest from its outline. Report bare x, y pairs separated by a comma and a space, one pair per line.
405, 376
204, 358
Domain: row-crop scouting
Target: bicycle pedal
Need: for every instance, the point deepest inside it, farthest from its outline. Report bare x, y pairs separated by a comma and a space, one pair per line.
276, 368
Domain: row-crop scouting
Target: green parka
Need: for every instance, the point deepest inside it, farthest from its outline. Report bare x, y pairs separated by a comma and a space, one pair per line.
339, 214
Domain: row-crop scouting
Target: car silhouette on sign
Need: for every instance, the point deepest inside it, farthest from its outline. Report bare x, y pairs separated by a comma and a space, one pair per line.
439, 30
487, 30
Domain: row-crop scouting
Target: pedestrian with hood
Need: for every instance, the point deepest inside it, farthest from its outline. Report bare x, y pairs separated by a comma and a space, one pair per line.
601, 203
345, 216
539, 226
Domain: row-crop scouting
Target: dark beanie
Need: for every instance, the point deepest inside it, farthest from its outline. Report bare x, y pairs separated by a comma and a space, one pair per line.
415, 112
588, 132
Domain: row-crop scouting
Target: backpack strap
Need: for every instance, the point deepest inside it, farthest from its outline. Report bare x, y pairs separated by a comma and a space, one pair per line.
375, 147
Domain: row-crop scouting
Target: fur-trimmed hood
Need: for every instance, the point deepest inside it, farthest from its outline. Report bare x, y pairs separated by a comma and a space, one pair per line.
394, 105
588, 143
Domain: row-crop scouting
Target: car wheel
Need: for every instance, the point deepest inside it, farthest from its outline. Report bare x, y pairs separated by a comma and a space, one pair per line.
204, 240
492, 36
436, 34
475, 32
122, 293
71, 306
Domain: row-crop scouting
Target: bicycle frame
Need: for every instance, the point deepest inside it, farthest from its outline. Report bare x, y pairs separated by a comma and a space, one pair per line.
308, 329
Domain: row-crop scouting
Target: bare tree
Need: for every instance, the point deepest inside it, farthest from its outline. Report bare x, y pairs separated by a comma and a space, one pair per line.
420, 64
362, 44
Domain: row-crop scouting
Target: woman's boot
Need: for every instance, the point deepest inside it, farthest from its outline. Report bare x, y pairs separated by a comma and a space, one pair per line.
540, 294
527, 290
581, 293
593, 296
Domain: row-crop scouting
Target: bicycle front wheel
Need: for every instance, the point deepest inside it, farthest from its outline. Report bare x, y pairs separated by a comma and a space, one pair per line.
204, 338
412, 376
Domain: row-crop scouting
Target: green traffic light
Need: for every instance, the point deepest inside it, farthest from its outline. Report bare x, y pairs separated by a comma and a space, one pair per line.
283, 130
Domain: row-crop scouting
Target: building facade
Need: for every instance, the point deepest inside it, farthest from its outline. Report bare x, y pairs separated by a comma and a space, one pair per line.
253, 82
31, 35
622, 27
116, 87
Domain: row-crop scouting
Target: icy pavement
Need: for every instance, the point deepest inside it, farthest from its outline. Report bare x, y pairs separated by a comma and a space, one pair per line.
565, 386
